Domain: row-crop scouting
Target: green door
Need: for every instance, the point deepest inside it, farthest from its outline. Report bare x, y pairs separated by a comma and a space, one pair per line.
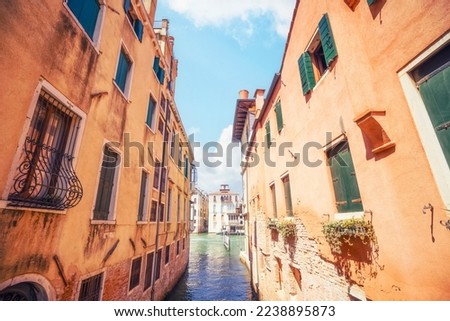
434, 87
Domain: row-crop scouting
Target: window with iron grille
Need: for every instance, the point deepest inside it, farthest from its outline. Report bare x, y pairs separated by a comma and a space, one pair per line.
143, 197
103, 209
45, 177
167, 258
148, 271
91, 288
135, 273
153, 211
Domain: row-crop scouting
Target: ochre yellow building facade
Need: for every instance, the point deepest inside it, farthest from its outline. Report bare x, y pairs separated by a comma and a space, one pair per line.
86, 213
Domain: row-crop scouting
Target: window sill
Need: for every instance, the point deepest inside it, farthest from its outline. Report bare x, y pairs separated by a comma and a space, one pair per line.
320, 80
103, 222
4, 205
150, 129
347, 216
141, 222
121, 92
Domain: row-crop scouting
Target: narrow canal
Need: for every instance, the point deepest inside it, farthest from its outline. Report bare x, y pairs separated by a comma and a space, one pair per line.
214, 273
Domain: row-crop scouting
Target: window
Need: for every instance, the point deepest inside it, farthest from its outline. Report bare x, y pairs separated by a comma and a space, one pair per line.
161, 212
279, 116
172, 145
163, 179
184, 243
103, 209
178, 207
151, 112
45, 177
178, 247
268, 138
148, 271
159, 71
169, 205
91, 288
123, 72
87, 14
274, 200
343, 175
143, 197
136, 24
135, 274
180, 155
186, 167
163, 104
287, 195
317, 58
157, 174
158, 264
161, 124
167, 258
153, 211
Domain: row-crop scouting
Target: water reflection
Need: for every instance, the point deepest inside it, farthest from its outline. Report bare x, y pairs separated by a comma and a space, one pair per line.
214, 274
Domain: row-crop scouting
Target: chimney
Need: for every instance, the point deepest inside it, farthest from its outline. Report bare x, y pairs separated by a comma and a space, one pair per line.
243, 94
259, 100
150, 7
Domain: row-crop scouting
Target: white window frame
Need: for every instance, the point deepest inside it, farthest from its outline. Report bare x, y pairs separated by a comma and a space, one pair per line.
430, 142
95, 41
42, 84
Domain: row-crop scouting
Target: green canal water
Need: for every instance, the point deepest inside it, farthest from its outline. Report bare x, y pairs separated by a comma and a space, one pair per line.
214, 273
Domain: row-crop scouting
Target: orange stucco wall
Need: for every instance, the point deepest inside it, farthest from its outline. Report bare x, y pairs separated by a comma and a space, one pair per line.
373, 43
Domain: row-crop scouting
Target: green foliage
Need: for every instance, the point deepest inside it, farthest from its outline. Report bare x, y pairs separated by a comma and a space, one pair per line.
287, 228
338, 232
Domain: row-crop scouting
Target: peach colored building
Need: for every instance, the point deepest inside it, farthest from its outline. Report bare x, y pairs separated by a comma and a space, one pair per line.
346, 171
94, 206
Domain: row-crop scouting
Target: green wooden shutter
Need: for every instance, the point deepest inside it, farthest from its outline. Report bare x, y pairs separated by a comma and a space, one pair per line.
150, 112
268, 138
156, 65
279, 116
306, 73
106, 184
161, 74
436, 97
346, 190
122, 70
142, 196
126, 5
86, 12
327, 40
371, 2
139, 29
287, 196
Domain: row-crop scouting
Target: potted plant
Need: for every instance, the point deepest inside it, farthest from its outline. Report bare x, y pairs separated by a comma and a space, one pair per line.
338, 233
287, 228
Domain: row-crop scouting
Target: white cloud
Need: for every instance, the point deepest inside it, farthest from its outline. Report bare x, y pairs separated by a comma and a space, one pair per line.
221, 13
225, 169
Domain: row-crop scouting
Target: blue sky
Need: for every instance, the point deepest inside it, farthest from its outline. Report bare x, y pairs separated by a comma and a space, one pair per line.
222, 47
